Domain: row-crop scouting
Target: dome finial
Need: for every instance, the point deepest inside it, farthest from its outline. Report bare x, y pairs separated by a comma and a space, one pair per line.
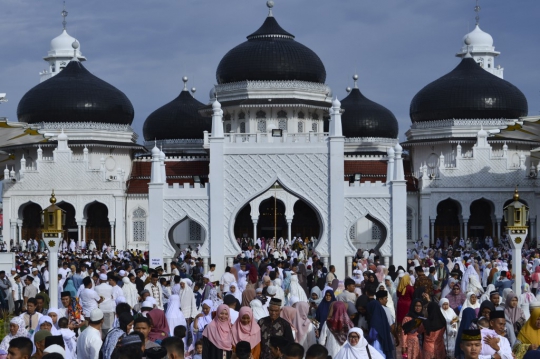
477, 9
468, 42
270, 5
75, 46
64, 14
355, 78
185, 79
516, 195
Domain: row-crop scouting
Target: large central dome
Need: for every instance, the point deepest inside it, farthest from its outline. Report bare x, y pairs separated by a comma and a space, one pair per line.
270, 54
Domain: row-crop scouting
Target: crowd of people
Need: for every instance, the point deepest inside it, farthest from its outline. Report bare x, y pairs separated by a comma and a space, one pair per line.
277, 300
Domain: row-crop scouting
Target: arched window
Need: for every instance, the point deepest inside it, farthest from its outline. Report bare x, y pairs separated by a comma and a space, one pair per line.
282, 124
194, 231
241, 116
314, 127
260, 114
242, 127
228, 128
300, 127
315, 116
376, 233
261, 125
282, 114
352, 233
139, 225
301, 114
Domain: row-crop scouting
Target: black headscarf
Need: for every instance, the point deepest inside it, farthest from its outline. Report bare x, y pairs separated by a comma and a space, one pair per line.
324, 308
372, 286
435, 319
486, 304
418, 294
392, 272
415, 322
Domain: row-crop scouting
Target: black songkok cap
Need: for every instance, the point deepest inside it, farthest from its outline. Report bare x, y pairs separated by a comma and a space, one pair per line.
381, 294
471, 335
278, 342
496, 314
275, 301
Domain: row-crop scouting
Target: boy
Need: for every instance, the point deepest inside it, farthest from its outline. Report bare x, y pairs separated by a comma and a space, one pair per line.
31, 317
143, 326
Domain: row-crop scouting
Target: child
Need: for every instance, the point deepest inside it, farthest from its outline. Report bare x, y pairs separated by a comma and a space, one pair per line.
180, 333
483, 325
68, 335
198, 350
197, 294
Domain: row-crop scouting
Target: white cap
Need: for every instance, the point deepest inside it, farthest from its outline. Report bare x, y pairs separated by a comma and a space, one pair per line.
96, 315
103, 276
122, 273
271, 290
293, 300
147, 304
55, 348
34, 269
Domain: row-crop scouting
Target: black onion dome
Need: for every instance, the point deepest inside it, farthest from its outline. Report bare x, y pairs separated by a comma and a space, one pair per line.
365, 118
75, 95
179, 119
270, 54
468, 92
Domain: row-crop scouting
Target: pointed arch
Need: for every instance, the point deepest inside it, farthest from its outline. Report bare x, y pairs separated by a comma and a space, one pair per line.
186, 232
366, 231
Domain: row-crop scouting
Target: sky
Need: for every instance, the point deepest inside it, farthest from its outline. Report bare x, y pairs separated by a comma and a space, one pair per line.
145, 47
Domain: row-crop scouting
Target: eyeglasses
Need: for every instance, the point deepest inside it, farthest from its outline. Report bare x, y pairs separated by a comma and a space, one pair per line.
354, 337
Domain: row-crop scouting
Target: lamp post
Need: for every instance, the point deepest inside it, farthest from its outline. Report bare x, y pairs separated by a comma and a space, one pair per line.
516, 215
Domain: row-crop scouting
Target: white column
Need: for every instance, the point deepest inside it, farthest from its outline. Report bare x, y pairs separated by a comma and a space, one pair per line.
112, 234
230, 262
79, 233
19, 225
497, 233
337, 189
425, 203
14, 231
399, 213
289, 228
84, 230
254, 229
432, 231
168, 262
155, 210
119, 223
465, 228
205, 265
349, 266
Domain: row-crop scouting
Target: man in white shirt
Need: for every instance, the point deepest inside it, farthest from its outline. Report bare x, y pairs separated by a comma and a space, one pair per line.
116, 290
108, 305
155, 290
211, 275
89, 298
89, 342
226, 279
500, 343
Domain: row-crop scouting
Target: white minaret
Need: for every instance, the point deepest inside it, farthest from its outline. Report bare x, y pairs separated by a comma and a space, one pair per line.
480, 45
61, 52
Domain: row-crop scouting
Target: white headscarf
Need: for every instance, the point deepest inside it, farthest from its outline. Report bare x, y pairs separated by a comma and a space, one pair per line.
360, 350
475, 285
173, 314
258, 310
187, 300
490, 288
296, 290
468, 304
130, 292
449, 315
238, 293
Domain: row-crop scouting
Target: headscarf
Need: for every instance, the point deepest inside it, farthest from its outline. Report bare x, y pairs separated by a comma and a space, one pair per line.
403, 283
449, 313
289, 313
360, 350
187, 300
412, 324
247, 296
295, 289
301, 321
490, 288
237, 292
379, 321
486, 304
173, 314
317, 291
69, 287
324, 308
130, 292
468, 304
160, 329
55, 311
468, 316
338, 321
491, 275
435, 318
512, 314
111, 341
528, 333
259, 311
250, 333
219, 331
206, 319
21, 332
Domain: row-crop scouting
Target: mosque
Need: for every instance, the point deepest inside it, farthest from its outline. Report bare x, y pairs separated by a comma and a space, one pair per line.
272, 153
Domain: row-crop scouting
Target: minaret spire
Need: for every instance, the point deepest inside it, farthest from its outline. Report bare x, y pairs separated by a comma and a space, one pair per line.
64, 14
477, 9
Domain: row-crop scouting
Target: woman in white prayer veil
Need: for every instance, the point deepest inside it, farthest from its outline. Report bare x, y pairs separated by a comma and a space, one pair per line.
280, 293
490, 288
237, 293
259, 311
475, 286
296, 290
357, 347
467, 273
173, 314
188, 305
130, 292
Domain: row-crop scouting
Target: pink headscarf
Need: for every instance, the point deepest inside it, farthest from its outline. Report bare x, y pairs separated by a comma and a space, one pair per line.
301, 321
250, 333
219, 332
160, 328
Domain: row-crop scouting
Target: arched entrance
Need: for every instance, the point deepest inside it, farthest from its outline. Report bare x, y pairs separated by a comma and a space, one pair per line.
98, 226
447, 223
31, 221
272, 222
305, 222
480, 221
367, 233
243, 227
70, 228
186, 233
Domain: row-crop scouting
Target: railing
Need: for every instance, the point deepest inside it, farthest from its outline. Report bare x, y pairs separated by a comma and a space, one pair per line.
266, 137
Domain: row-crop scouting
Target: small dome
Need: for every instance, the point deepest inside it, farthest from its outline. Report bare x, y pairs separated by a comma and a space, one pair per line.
179, 119
365, 118
478, 37
468, 92
75, 95
62, 42
270, 54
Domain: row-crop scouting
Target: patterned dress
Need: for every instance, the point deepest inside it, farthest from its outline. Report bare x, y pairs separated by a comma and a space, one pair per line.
279, 327
434, 344
411, 342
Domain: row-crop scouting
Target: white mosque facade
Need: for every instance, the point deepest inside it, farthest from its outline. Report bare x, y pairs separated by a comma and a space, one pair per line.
272, 153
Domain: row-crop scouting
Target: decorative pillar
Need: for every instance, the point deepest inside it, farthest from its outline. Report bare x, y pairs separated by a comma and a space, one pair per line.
349, 266
155, 210
230, 262
497, 233
325, 261
432, 231
466, 228
79, 233
113, 242
14, 231
205, 264
84, 230
254, 229
289, 228
19, 225
425, 203
386, 261
168, 262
